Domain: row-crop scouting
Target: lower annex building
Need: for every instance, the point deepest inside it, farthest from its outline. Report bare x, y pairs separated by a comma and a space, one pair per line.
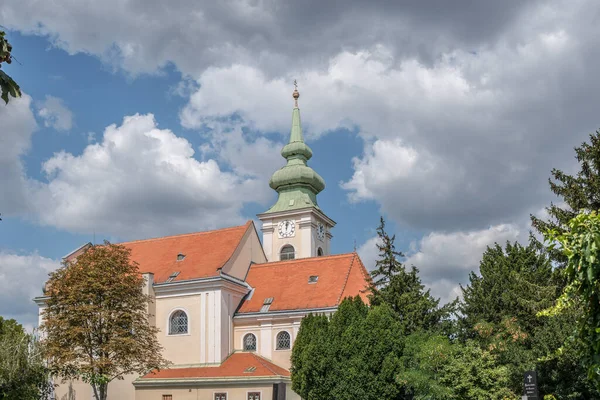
228, 306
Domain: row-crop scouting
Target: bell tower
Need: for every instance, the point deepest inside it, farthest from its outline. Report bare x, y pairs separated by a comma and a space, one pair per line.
295, 226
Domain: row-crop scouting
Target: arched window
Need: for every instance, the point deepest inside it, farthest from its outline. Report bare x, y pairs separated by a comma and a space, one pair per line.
287, 252
178, 323
283, 341
249, 342
319, 252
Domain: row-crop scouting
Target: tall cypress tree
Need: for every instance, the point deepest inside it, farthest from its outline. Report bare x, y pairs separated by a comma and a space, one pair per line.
402, 290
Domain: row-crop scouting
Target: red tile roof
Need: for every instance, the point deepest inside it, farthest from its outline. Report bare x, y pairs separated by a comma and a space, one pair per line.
234, 366
205, 253
339, 276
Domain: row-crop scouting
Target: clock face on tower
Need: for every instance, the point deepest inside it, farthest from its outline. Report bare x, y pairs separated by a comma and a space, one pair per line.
320, 231
286, 228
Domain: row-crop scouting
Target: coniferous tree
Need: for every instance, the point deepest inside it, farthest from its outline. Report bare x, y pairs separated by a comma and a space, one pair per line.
513, 282
578, 192
354, 355
402, 290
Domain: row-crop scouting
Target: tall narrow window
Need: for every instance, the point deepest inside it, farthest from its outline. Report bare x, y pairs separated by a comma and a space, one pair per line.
319, 252
178, 323
287, 253
283, 341
253, 395
249, 342
220, 396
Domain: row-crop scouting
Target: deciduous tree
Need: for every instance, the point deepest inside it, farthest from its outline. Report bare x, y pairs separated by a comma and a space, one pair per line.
96, 321
581, 245
7, 84
23, 375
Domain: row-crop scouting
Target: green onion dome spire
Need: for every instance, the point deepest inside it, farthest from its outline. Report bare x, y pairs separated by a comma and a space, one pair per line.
296, 183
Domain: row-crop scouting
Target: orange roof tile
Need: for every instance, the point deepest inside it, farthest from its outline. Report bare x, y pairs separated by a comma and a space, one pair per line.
233, 366
340, 276
205, 252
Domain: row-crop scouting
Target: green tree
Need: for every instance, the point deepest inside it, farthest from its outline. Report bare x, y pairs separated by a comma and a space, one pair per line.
499, 312
22, 372
96, 321
515, 281
475, 374
402, 290
424, 362
7, 84
578, 192
581, 245
355, 354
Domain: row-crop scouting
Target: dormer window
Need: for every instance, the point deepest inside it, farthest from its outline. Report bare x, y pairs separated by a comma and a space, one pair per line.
180, 257
313, 279
173, 276
266, 304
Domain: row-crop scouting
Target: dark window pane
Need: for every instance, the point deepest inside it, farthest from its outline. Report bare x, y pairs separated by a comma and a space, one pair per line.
178, 323
283, 341
250, 342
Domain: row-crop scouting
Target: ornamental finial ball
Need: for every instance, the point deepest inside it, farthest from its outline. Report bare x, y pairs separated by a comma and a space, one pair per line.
296, 94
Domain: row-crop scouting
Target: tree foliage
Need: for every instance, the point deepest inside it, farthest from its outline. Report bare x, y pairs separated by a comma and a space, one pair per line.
578, 192
96, 321
7, 84
513, 282
355, 354
402, 290
581, 245
22, 372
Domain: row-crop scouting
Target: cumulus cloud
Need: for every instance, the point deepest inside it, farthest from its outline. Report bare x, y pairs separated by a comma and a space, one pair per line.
445, 260
55, 114
21, 279
140, 181
18, 124
141, 36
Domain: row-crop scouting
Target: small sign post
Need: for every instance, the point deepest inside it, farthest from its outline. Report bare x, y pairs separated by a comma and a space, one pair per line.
531, 388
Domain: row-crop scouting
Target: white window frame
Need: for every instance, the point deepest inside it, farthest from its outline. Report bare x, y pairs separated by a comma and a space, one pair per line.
254, 391
222, 391
255, 337
281, 248
168, 328
291, 341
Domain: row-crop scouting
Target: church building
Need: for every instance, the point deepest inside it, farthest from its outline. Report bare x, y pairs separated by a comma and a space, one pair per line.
229, 305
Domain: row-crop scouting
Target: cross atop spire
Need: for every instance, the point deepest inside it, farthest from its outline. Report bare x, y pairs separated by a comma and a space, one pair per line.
296, 94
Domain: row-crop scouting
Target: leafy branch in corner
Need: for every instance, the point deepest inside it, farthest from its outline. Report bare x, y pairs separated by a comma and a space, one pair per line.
7, 84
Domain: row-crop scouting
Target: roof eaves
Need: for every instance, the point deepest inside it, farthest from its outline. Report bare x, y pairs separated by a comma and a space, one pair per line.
284, 312
209, 381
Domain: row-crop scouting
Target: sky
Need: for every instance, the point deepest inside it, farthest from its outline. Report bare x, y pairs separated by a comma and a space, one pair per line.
142, 118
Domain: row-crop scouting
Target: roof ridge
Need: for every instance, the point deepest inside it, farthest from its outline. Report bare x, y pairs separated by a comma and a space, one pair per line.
265, 363
347, 277
187, 234
364, 271
306, 259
